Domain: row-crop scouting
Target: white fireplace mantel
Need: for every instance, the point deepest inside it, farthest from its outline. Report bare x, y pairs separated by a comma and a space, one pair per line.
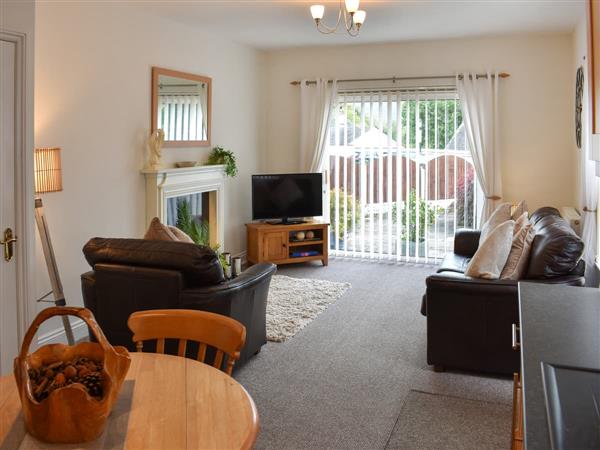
162, 184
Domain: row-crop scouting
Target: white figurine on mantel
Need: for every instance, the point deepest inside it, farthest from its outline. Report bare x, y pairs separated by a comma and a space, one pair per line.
155, 143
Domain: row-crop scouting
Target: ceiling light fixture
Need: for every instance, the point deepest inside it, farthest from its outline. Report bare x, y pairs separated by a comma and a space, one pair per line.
352, 16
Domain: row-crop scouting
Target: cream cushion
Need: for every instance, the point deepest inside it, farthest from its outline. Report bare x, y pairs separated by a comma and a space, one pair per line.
500, 215
180, 235
519, 210
492, 254
521, 222
159, 232
516, 264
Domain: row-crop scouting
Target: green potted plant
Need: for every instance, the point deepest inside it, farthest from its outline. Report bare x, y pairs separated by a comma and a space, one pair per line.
342, 227
219, 155
198, 231
426, 217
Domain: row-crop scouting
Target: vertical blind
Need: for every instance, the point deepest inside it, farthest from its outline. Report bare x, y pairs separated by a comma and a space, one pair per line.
182, 117
400, 177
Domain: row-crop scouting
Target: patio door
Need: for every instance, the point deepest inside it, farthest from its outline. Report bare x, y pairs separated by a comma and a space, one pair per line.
400, 177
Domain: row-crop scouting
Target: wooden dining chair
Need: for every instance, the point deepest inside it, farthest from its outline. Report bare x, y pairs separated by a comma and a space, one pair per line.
225, 334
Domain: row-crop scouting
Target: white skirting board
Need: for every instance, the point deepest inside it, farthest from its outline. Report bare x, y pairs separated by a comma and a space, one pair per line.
57, 336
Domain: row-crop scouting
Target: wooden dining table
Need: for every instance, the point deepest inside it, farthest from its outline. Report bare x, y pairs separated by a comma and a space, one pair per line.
166, 402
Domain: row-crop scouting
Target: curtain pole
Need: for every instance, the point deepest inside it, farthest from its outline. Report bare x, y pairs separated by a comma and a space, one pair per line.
394, 79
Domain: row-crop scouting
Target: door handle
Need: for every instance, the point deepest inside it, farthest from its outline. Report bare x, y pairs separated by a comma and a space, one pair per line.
8, 244
515, 337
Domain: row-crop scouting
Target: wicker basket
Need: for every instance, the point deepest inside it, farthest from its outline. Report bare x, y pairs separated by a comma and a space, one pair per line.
69, 414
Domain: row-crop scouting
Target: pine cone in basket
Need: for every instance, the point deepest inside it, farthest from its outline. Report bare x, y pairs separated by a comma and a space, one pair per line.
93, 383
50, 377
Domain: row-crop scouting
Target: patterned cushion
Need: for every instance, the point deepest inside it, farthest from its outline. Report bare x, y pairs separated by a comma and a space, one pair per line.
180, 235
521, 221
516, 264
500, 215
159, 232
490, 258
519, 209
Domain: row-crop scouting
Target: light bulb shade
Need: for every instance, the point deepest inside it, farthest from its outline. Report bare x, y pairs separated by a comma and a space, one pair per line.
47, 170
352, 5
359, 17
317, 11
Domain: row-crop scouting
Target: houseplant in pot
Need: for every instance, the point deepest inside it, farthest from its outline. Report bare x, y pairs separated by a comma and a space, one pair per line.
219, 155
342, 227
408, 213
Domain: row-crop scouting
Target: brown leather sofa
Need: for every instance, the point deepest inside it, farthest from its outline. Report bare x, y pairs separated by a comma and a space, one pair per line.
135, 274
469, 320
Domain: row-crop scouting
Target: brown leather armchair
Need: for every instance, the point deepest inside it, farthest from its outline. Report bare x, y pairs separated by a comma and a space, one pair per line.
135, 274
469, 320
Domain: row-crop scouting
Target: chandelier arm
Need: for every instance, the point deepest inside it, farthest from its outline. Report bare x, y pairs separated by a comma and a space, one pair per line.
324, 29
351, 28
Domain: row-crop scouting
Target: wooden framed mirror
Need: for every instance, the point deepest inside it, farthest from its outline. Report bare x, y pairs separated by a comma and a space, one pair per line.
181, 107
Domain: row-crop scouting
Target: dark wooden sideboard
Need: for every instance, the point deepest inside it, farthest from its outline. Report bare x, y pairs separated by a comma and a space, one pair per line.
559, 326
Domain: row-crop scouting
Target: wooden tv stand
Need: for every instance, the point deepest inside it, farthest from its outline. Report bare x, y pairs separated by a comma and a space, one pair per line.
278, 243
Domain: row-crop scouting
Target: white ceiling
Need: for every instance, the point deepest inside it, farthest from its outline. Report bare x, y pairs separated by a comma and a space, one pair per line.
279, 23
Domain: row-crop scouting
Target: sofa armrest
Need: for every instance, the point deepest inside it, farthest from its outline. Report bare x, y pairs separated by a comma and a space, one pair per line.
244, 299
88, 289
568, 280
446, 285
469, 322
457, 282
466, 242
251, 277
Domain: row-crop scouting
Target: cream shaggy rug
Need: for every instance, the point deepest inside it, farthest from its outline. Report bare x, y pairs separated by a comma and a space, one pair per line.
294, 302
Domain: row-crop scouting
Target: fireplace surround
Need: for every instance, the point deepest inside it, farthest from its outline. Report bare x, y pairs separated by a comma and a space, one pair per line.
202, 186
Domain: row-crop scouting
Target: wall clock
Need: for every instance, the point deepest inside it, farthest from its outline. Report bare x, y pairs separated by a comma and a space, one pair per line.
578, 105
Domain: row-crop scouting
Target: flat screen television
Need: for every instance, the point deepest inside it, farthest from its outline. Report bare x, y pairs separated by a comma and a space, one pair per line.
287, 196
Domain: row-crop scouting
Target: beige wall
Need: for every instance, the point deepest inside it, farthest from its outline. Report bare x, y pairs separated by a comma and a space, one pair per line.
580, 52
536, 101
93, 100
579, 43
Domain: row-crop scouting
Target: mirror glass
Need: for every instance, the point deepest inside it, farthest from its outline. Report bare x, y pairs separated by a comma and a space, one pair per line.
181, 107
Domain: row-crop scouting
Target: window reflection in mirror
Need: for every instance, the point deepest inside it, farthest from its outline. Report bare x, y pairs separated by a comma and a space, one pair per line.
181, 107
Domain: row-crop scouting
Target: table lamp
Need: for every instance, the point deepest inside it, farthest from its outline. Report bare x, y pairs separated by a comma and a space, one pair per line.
48, 178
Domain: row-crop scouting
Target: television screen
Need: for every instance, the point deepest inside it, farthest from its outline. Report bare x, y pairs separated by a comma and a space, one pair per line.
284, 196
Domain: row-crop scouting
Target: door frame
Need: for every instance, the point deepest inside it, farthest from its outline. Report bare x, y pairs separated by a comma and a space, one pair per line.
24, 179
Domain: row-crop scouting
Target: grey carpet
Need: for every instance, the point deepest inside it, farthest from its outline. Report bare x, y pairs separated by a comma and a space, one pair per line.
432, 422
341, 381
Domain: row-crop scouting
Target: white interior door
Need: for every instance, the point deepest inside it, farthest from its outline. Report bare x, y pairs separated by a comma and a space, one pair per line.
9, 338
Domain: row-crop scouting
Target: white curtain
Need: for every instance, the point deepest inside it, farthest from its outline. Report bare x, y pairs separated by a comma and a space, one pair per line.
588, 186
316, 103
479, 102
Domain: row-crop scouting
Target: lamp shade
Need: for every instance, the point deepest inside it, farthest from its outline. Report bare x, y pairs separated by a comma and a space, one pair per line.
48, 171
352, 5
317, 11
359, 17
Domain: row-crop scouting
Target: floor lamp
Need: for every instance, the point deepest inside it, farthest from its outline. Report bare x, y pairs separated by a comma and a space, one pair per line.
48, 178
